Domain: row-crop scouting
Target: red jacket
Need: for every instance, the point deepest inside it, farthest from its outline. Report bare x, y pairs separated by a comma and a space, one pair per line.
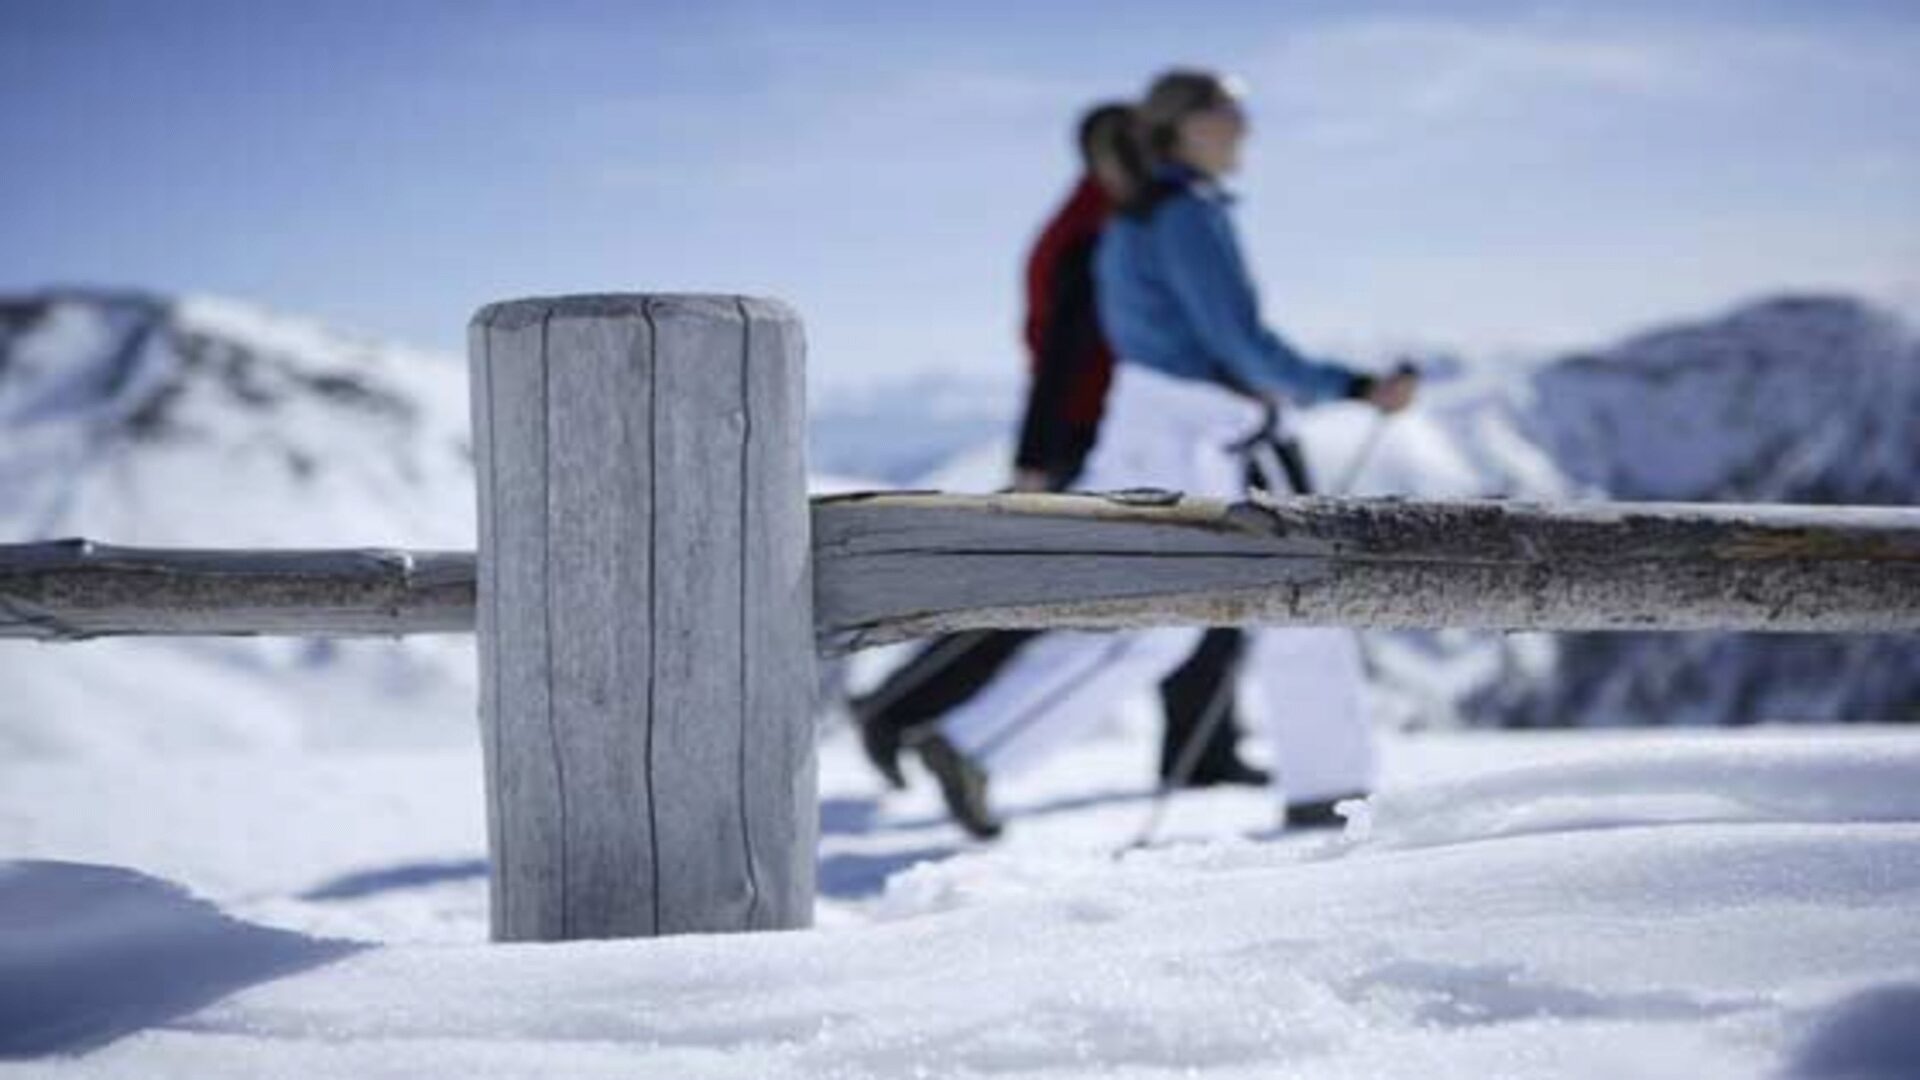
1070, 360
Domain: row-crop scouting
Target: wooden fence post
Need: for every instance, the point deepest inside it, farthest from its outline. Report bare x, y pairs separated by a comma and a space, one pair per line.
645, 615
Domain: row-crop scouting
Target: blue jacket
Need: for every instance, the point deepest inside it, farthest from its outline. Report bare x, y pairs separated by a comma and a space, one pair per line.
1174, 294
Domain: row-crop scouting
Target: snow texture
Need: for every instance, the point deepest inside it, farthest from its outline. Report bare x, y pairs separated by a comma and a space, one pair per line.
92, 953
1522, 905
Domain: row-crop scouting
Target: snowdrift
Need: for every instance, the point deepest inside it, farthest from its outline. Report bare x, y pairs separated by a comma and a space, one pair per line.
1646, 906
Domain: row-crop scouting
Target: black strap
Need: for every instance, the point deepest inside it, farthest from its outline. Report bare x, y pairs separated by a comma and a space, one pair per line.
1267, 439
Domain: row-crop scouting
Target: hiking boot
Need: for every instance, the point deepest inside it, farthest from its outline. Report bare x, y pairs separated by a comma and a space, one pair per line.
962, 784
1318, 814
881, 741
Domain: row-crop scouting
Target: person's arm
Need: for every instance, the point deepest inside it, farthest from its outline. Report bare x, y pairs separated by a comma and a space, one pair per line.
1210, 281
1064, 342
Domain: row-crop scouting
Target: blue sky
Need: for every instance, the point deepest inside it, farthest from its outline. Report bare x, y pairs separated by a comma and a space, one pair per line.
1481, 176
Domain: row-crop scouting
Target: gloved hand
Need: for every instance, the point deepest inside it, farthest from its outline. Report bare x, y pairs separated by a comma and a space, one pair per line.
1396, 391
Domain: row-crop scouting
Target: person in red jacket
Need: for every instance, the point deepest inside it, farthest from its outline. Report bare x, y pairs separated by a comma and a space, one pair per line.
1071, 366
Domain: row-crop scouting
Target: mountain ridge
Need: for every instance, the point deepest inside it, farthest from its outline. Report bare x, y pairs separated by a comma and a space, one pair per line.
144, 419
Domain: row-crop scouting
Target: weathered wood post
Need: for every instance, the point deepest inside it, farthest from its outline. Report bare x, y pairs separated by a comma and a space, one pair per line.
645, 615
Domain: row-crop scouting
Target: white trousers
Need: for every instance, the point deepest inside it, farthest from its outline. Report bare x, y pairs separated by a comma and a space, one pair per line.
1164, 432
1307, 690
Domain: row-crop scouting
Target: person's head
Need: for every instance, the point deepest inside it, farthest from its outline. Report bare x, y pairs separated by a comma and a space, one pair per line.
1194, 117
1110, 151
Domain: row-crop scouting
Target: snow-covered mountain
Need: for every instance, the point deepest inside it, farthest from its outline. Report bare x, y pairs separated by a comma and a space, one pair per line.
1799, 400
1802, 400
140, 419
198, 422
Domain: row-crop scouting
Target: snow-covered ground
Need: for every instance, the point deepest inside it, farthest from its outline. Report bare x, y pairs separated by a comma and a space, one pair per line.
244, 858
1576, 904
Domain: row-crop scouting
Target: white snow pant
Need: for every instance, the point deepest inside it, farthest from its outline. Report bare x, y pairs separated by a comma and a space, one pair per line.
1308, 692
1164, 432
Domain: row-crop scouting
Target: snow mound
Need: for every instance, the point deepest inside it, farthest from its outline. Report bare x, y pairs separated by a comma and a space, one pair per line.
1871, 1035
92, 953
1828, 779
1766, 930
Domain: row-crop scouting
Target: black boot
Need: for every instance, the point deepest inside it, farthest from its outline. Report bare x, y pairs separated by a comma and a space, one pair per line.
962, 784
945, 673
1202, 723
881, 741
1318, 814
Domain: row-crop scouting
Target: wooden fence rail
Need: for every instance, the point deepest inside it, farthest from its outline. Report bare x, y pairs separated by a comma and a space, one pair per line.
891, 566
651, 591
73, 590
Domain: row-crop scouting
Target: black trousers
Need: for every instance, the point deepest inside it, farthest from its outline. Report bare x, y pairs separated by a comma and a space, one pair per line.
954, 668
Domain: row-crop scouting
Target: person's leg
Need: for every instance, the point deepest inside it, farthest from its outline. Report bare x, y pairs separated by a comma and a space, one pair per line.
951, 669
1159, 431
944, 673
1192, 699
940, 676
1311, 693
1056, 689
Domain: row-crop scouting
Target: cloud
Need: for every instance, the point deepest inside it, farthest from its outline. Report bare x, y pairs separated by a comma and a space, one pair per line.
1366, 81
1480, 180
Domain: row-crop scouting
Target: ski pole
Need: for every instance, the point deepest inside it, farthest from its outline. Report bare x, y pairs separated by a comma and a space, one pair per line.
1358, 463
1183, 766
1371, 443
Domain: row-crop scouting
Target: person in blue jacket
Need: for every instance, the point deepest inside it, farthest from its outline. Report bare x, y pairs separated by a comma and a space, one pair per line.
1072, 367
1198, 372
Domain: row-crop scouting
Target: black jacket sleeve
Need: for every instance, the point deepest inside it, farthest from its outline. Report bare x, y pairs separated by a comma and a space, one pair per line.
1071, 334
